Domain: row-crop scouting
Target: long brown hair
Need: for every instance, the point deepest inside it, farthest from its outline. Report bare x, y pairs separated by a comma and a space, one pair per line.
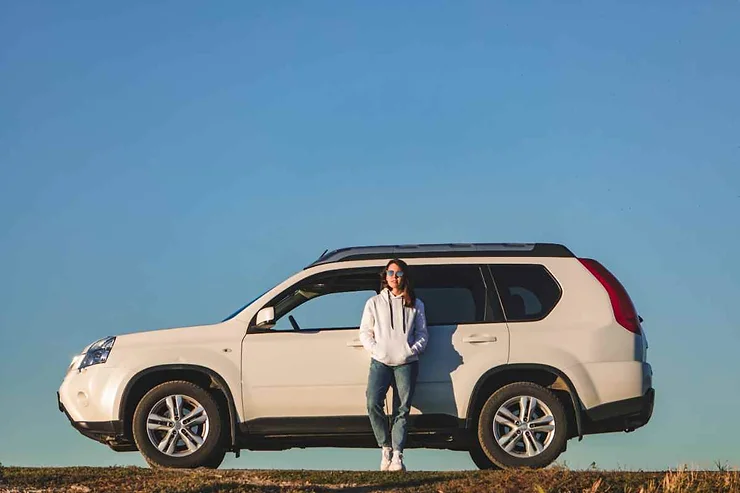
406, 284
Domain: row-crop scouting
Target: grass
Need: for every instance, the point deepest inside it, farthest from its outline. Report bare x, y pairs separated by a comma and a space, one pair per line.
555, 479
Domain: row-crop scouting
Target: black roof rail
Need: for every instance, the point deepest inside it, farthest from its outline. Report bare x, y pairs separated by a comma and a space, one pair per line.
444, 250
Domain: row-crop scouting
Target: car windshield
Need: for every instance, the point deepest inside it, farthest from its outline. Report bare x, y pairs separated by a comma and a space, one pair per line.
242, 308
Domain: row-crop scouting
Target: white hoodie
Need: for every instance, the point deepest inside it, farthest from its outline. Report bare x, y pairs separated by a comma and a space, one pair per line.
391, 332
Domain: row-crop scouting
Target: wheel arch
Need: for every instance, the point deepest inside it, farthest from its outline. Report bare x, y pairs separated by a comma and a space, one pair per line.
547, 376
149, 378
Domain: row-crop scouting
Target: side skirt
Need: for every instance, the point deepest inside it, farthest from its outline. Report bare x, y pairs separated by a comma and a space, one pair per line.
425, 431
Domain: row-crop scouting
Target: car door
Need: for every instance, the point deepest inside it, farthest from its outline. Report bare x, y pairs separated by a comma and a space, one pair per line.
467, 337
317, 368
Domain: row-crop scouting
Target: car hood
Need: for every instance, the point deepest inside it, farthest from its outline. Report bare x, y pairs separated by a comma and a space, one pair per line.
196, 334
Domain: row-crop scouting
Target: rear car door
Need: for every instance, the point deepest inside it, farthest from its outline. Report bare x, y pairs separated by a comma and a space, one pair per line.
467, 337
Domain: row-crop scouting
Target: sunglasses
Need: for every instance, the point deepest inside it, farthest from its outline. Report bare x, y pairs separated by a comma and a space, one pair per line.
391, 273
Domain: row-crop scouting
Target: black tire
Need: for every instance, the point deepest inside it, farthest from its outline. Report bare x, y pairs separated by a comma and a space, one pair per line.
480, 459
496, 453
210, 454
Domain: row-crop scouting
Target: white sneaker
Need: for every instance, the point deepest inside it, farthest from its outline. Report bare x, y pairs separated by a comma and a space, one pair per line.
397, 462
385, 458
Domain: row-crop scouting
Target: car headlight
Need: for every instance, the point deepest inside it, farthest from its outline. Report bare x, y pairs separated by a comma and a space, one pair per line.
98, 352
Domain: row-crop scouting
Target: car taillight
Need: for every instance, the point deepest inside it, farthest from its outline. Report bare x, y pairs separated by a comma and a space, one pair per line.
624, 309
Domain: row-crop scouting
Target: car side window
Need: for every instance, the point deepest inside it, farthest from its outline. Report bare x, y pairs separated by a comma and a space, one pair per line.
329, 300
453, 294
340, 310
528, 292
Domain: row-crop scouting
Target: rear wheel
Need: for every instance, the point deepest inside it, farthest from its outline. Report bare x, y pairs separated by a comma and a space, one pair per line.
178, 424
522, 425
480, 459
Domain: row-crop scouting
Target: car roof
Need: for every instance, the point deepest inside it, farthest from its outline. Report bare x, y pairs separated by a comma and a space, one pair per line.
443, 250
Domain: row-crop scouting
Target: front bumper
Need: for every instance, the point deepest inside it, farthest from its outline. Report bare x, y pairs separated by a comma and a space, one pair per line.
625, 415
107, 432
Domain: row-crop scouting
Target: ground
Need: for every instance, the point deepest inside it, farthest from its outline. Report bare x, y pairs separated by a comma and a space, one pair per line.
135, 479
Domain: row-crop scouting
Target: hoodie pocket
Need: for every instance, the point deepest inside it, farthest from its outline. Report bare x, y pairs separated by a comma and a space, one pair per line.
380, 352
392, 352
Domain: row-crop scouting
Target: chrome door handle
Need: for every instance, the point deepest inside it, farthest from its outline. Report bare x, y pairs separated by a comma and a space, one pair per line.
354, 343
479, 338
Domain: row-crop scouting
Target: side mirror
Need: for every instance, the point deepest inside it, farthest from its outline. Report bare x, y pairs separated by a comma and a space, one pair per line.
265, 316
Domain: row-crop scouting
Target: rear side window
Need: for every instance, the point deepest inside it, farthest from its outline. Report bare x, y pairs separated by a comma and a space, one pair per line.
528, 292
453, 294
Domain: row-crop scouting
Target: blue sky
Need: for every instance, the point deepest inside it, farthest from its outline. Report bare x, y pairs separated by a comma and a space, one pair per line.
163, 163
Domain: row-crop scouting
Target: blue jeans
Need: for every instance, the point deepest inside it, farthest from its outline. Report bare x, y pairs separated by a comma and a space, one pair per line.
403, 381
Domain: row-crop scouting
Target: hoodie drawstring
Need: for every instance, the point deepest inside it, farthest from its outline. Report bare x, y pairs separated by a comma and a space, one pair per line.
403, 313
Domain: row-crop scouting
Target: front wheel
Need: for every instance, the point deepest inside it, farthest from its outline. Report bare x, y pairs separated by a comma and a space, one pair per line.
522, 425
178, 424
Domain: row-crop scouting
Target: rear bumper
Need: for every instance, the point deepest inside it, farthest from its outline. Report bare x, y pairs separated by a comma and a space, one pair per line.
625, 415
107, 432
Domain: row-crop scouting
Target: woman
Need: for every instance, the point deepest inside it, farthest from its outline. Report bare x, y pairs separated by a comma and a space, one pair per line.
394, 331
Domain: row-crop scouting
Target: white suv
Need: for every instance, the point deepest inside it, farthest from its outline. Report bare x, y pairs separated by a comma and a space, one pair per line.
529, 346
